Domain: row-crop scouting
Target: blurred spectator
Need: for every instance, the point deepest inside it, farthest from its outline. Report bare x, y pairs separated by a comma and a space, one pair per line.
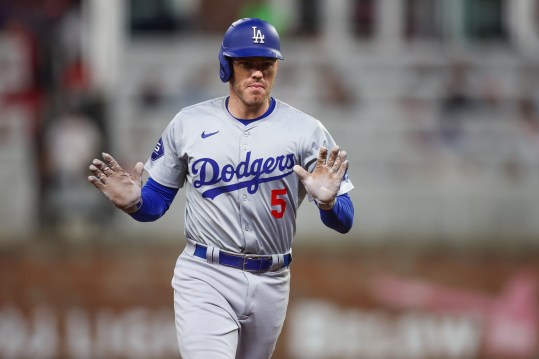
424, 20
25, 90
74, 130
74, 78
213, 16
150, 91
528, 118
364, 18
492, 96
67, 116
334, 89
420, 124
522, 163
455, 104
71, 140
309, 21
156, 17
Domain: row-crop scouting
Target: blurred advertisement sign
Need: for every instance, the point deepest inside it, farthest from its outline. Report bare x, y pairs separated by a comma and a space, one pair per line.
79, 333
418, 319
509, 320
116, 302
323, 330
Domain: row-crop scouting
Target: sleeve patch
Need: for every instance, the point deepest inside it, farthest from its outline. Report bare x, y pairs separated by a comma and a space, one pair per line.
159, 150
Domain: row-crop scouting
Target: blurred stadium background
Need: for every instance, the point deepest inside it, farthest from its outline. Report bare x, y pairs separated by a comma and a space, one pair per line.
436, 102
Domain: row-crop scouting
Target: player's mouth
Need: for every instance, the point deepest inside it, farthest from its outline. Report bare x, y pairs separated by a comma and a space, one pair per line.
257, 89
256, 86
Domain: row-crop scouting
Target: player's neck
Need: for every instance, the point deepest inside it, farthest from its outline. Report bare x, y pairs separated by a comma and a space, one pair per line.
240, 110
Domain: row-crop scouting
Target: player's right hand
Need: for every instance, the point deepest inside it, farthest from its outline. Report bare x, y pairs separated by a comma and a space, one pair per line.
121, 188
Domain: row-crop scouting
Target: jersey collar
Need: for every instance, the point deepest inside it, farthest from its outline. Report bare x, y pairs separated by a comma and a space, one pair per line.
264, 115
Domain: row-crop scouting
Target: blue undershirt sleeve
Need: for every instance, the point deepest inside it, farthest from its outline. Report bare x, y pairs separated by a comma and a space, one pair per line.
156, 200
341, 216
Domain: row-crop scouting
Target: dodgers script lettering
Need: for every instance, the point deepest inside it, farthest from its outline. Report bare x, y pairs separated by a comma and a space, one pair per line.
210, 173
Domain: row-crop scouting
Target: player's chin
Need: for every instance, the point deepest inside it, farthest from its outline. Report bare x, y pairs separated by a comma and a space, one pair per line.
256, 92
257, 99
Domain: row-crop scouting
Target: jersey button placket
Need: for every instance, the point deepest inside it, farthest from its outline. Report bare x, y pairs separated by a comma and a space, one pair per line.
245, 146
251, 244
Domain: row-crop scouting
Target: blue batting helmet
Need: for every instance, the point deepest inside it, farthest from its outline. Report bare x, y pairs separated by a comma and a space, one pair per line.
248, 37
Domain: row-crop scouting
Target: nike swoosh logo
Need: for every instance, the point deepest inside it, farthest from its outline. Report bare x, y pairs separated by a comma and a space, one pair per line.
206, 135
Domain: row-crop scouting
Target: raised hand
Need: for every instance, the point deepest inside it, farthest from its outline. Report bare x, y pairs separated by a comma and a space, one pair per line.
324, 182
121, 188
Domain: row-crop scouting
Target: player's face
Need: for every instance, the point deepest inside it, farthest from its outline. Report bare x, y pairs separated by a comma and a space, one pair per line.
253, 80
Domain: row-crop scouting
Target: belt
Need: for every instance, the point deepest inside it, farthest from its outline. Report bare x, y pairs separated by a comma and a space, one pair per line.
246, 262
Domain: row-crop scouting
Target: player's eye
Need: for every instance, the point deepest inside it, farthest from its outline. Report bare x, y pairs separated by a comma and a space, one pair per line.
266, 65
251, 65
244, 64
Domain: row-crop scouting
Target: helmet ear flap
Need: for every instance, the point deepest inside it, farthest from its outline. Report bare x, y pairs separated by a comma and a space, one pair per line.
225, 69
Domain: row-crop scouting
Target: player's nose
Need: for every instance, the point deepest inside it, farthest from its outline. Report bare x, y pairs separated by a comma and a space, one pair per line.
258, 74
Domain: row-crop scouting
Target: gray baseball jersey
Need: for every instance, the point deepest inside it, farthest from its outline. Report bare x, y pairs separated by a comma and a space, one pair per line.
242, 194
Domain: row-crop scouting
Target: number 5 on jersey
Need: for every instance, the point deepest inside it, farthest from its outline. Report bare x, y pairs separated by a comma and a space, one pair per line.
279, 202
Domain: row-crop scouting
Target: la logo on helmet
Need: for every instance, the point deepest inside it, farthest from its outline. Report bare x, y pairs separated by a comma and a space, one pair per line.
258, 37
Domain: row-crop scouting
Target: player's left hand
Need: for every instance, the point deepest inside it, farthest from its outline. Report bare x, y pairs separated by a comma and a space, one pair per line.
324, 182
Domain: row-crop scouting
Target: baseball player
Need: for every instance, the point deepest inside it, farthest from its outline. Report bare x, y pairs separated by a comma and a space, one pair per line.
246, 161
